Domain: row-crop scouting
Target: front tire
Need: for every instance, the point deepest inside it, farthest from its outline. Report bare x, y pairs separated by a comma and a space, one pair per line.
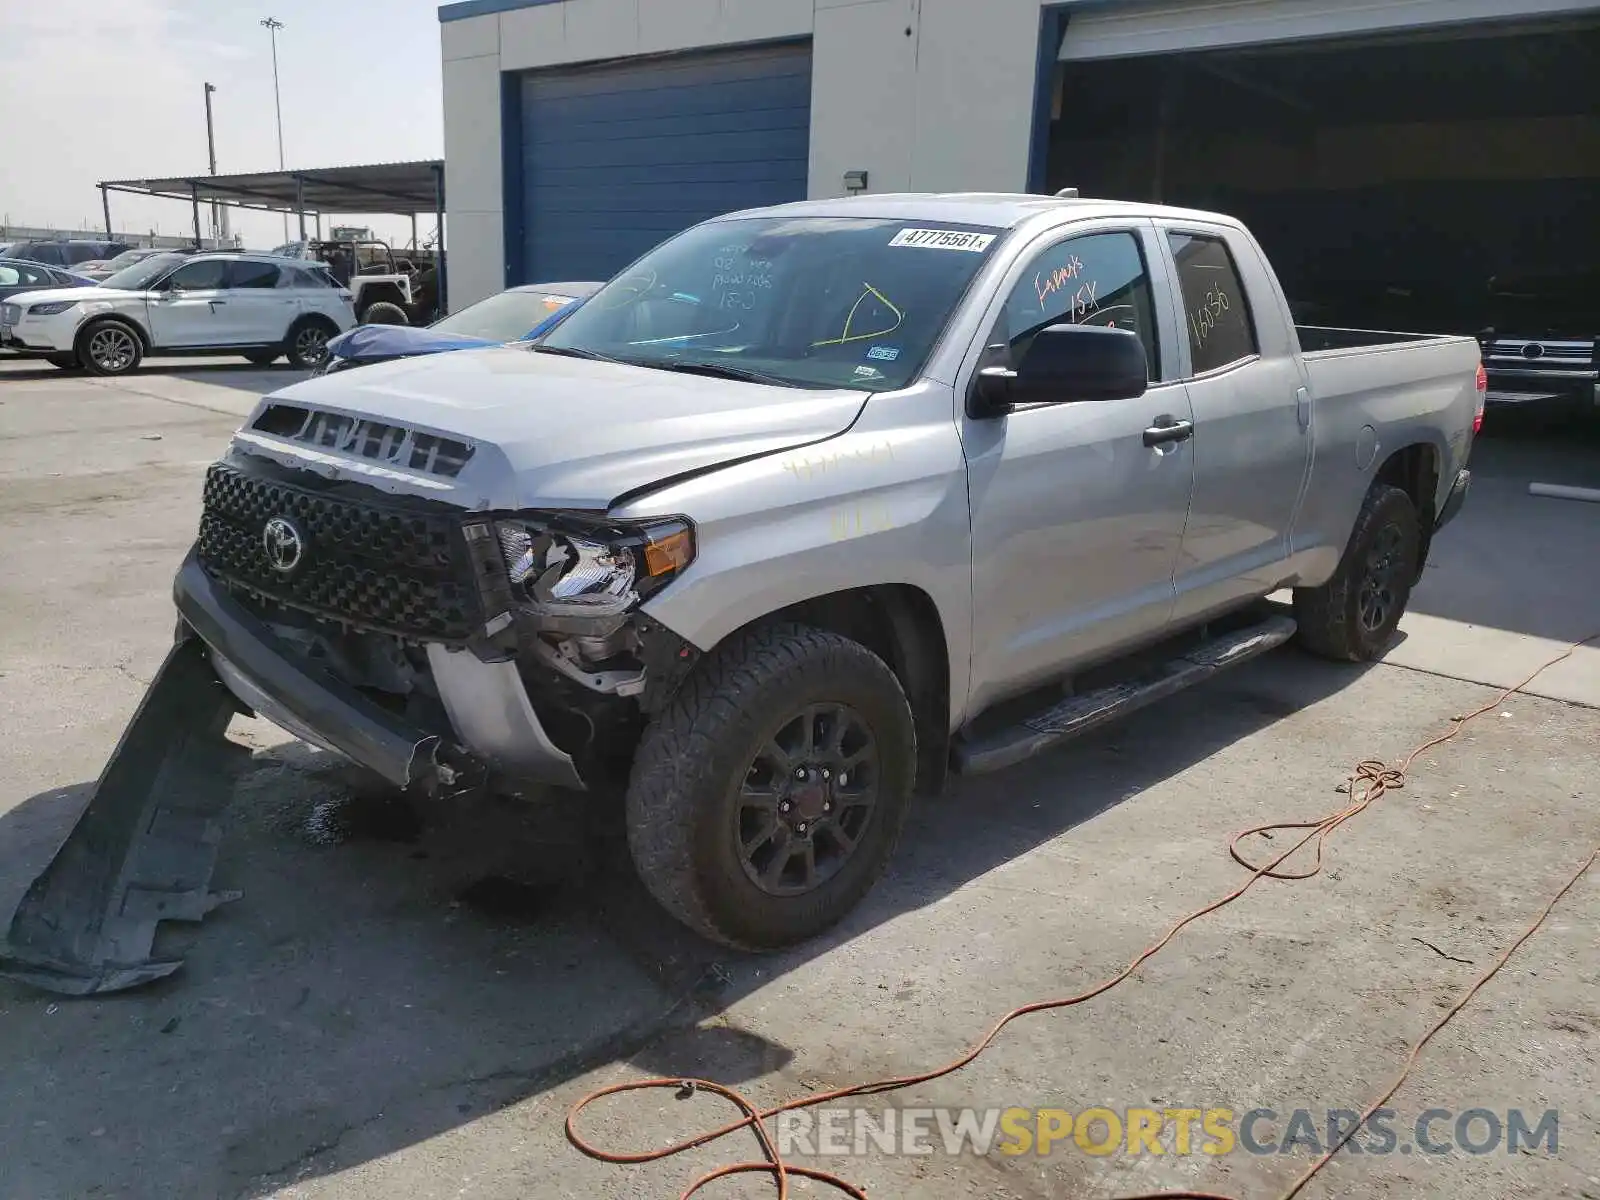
1353, 617
767, 798
109, 347
307, 343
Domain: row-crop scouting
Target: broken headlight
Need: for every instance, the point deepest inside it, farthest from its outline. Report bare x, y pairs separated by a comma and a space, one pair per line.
573, 572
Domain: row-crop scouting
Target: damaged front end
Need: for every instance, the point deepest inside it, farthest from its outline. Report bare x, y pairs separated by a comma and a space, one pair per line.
444, 649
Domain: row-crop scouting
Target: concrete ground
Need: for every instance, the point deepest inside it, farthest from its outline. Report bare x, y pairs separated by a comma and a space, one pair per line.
366, 1023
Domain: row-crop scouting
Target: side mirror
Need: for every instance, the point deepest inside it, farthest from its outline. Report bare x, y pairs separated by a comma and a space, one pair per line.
1066, 364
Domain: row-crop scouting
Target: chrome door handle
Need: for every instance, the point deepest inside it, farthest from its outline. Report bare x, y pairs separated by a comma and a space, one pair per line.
1167, 430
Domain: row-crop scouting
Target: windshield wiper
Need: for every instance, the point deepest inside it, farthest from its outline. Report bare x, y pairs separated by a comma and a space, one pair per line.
724, 371
572, 352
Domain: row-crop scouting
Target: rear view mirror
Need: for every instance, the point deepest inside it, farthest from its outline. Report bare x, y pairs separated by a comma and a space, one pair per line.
1067, 364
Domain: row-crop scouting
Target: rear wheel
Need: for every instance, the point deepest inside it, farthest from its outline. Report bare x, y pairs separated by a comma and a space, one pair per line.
109, 347
1353, 617
768, 797
307, 344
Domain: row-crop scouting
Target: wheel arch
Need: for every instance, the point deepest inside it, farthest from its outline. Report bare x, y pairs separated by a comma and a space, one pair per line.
900, 623
1416, 470
387, 291
309, 318
146, 345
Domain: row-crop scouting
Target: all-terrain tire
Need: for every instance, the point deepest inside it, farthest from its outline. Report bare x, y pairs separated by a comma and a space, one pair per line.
1353, 617
383, 312
683, 802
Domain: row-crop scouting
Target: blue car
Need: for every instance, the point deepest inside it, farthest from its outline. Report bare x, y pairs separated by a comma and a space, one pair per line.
514, 315
22, 275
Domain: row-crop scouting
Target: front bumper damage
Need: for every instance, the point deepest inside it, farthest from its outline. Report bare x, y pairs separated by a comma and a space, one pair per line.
146, 846
298, 695
487, 704
396, 644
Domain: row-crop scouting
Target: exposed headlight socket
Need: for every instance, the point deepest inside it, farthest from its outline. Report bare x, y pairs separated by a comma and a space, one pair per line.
583, 577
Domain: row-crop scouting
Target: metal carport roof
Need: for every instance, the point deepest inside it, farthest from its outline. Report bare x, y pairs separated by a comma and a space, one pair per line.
401, 188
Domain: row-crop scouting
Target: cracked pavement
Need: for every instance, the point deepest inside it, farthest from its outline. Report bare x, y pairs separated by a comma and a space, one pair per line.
366, 1022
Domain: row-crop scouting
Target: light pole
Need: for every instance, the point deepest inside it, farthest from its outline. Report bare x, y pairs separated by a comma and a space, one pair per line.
219, 214
272, 25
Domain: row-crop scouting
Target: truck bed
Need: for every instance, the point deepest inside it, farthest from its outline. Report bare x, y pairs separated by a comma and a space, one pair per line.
1317, 339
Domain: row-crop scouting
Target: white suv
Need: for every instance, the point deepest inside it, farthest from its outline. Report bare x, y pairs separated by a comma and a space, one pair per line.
248, 304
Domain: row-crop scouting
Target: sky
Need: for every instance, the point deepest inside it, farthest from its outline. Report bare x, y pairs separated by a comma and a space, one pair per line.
114, 89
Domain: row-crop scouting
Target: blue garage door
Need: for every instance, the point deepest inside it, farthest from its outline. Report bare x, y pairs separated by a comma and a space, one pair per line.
617, 158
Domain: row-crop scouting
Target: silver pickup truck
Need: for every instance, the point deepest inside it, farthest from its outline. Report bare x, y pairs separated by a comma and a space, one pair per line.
806, 509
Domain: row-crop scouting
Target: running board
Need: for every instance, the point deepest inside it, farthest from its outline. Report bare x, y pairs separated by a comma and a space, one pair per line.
1079, 714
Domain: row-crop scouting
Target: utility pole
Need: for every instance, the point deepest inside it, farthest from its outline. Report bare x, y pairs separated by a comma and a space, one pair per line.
272, 25
219, 213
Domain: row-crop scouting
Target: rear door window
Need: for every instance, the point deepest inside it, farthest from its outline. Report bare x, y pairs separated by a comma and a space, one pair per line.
1216, 310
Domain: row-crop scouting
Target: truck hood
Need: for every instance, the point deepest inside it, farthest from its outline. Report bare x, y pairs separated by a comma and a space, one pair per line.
555, 432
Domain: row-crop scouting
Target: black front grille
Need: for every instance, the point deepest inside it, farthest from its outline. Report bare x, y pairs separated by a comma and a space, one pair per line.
371, 565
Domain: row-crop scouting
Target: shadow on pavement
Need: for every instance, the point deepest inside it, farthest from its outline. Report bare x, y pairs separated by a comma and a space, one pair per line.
372, 991
231, 372
1514, 561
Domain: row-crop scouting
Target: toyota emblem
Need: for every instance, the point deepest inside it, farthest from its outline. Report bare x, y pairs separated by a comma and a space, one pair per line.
284, 543
1533, 350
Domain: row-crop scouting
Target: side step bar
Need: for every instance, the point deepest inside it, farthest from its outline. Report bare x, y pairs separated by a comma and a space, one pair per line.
1079, 714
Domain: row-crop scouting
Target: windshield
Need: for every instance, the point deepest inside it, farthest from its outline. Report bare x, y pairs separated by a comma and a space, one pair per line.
143, 273
503, 318
826, 302
127, 258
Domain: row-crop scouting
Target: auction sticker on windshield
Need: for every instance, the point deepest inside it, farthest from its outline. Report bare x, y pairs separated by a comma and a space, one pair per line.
943, 239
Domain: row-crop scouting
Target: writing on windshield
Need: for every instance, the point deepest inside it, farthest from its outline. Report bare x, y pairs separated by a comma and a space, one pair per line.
830, 302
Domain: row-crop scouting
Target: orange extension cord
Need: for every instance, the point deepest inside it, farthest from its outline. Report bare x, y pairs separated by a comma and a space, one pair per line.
1368, 784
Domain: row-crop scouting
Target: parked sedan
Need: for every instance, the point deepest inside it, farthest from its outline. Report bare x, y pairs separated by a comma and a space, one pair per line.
517, 314
19, 275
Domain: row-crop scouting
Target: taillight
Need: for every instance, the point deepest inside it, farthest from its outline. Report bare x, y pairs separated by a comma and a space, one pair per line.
1483, 395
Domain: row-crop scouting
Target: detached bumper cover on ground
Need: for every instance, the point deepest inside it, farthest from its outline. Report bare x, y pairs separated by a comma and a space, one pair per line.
144, 850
